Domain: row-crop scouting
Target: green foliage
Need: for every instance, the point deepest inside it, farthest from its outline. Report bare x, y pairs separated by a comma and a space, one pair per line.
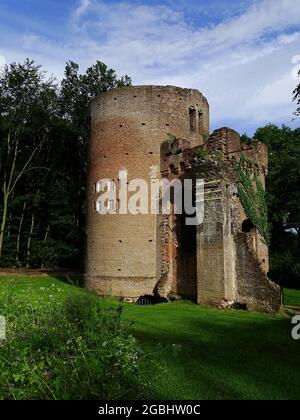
171, 137
283, 200
285, 259
252, 196
245, 139
296, 98
74, 350
201, 154
284, 174
292, 297
47, 125
219, 156
195, 360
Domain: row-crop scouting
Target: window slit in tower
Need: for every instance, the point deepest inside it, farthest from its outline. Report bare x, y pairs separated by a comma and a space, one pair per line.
192, 112
200, 121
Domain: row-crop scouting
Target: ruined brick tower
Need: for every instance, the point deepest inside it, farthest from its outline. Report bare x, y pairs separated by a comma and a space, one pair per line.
157, 132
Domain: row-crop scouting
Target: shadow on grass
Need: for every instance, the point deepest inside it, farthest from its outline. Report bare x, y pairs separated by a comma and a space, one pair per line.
74, 279
227, 357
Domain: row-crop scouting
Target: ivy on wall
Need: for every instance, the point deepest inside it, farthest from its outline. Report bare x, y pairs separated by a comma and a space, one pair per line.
252, 195
201, 154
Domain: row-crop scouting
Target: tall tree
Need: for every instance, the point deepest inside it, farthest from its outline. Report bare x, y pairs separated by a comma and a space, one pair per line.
26, 107
296, 98
43, 137
283, 198
77, 90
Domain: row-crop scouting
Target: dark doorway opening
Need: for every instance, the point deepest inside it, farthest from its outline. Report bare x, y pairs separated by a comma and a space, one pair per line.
192, 112
150, 300
247, 226
186, 254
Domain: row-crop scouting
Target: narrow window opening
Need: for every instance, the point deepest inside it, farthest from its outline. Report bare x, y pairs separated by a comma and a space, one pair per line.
192, 113
172, 169
200, 121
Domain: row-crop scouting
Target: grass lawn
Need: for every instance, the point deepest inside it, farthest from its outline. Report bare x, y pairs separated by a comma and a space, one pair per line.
292, 297
218, 354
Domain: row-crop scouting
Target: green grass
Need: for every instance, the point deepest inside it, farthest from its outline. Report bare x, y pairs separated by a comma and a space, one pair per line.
292, 297
218, 354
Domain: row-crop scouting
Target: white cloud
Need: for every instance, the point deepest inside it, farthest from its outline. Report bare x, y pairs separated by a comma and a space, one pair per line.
81, 8
242, 64
2, 61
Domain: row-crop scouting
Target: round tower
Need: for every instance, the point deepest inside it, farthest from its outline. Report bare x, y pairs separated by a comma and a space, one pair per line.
128, 125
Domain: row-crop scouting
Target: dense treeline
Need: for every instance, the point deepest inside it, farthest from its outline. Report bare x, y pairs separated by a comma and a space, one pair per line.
283, 199
44, 127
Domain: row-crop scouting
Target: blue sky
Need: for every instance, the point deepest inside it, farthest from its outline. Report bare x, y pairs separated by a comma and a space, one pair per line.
242, 55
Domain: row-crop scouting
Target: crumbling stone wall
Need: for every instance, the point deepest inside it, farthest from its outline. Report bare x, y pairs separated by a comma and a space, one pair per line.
231, 264
253, 288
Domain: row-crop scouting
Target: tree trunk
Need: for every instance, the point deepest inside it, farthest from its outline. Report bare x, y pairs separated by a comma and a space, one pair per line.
46, 233
3, 222
9, 224
29, 238
32, 227
20, 229
44, 240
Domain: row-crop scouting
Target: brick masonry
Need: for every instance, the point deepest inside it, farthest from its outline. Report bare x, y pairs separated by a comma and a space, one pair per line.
134, 255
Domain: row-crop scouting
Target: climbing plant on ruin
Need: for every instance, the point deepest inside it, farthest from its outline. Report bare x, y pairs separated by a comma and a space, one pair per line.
201, 154
252, 196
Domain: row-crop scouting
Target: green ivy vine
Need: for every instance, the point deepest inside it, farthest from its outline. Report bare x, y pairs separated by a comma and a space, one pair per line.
201, 154
252, 195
